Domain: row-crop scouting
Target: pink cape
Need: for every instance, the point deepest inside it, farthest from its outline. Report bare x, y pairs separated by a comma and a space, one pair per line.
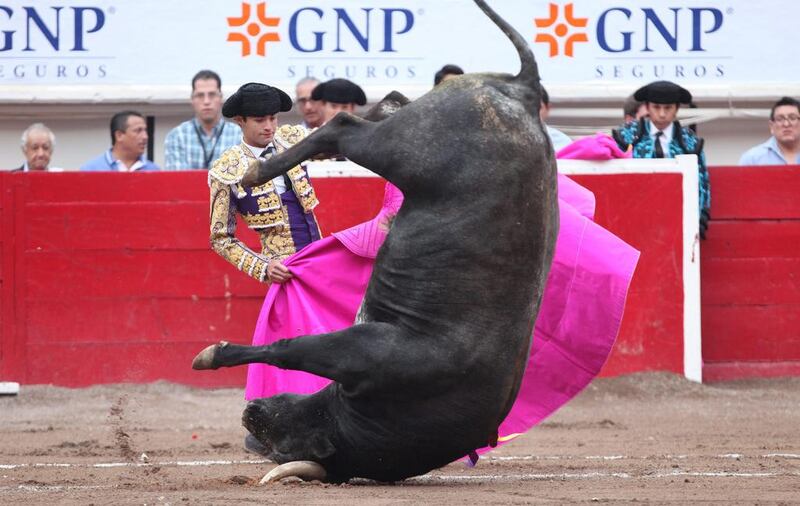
576, 327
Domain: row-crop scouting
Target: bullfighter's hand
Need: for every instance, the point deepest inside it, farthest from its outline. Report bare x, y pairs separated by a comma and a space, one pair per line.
277, 272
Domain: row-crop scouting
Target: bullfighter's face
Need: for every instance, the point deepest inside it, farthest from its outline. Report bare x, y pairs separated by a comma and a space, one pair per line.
258, 130
290, 427
331, 109
662, 115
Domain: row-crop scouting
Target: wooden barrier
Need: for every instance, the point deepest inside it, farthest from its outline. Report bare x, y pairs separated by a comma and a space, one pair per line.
751, 274
108, 277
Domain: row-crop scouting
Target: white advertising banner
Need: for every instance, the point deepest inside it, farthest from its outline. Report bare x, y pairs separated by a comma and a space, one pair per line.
151, 48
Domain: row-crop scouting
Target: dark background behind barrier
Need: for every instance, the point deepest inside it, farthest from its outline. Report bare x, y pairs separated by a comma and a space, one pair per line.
108, 277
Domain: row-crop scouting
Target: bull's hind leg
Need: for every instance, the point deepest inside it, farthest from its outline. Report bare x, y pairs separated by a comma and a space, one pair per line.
357, 357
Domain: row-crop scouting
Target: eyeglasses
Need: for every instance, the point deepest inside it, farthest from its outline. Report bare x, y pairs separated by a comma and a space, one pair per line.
792, 120
209, 95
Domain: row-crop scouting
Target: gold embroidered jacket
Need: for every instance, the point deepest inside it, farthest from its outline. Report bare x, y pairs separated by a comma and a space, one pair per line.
260, 206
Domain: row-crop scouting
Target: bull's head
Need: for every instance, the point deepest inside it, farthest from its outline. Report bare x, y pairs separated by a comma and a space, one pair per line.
293, 428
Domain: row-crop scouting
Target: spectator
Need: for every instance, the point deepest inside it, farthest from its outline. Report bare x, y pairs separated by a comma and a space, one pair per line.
558, 138
783, 147
448, 71
128, 144
633, 110
660, 135
38, 143
338, 95
310, 109
196, 143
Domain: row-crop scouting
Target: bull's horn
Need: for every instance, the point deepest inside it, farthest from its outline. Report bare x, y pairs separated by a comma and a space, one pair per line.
205, 359
303, 469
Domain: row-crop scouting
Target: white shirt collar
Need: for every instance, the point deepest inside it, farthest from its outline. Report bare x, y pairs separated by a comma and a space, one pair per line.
667, 131
280, 185
256, 151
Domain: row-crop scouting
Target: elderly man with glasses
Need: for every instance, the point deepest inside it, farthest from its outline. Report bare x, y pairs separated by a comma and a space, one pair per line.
196, 143
783, 147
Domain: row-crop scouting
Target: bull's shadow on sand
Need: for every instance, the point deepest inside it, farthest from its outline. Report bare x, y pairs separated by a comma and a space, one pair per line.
435, 366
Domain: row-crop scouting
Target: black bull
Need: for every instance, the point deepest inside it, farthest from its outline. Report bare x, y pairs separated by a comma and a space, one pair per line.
435, 363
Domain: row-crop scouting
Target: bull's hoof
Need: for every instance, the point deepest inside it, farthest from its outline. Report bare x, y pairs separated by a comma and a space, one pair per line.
303, 469
205, 359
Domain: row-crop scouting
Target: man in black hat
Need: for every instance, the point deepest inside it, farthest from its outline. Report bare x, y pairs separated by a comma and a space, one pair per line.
280, 210
338, 95
660, 135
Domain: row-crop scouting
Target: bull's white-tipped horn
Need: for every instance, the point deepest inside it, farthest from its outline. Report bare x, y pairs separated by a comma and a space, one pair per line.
303, 469
205, 359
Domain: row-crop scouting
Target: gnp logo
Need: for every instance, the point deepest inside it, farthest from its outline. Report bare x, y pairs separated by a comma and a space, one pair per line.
313, 30
61, 36
48, 27
679, 33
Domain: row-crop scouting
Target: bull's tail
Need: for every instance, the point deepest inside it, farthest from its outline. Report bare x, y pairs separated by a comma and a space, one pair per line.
529, 71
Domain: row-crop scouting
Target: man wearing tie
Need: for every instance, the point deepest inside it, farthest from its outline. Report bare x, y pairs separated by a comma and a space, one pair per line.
660, 135
280, 210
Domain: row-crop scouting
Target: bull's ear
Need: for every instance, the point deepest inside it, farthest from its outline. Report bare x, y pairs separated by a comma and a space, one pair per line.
321, 447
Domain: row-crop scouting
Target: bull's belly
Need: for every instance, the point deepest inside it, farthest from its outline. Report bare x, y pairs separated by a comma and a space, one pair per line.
396, 440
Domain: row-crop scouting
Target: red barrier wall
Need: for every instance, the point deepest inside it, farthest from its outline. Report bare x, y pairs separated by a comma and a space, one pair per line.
108, 277
645, 211
119, 285
751, 274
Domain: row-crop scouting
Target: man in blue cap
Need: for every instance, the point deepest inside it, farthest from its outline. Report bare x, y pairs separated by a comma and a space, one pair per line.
660, 135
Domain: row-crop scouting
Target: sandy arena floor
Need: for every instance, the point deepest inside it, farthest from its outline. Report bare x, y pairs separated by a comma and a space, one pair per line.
647, 438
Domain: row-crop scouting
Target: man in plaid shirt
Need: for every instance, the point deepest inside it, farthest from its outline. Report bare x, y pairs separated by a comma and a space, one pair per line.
196, 143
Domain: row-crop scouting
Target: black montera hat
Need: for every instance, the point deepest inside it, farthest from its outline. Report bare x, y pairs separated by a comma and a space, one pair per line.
256, 99
339, 91
663, 92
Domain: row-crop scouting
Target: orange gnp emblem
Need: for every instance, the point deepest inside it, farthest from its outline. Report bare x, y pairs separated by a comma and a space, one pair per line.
253, 29
560, 29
